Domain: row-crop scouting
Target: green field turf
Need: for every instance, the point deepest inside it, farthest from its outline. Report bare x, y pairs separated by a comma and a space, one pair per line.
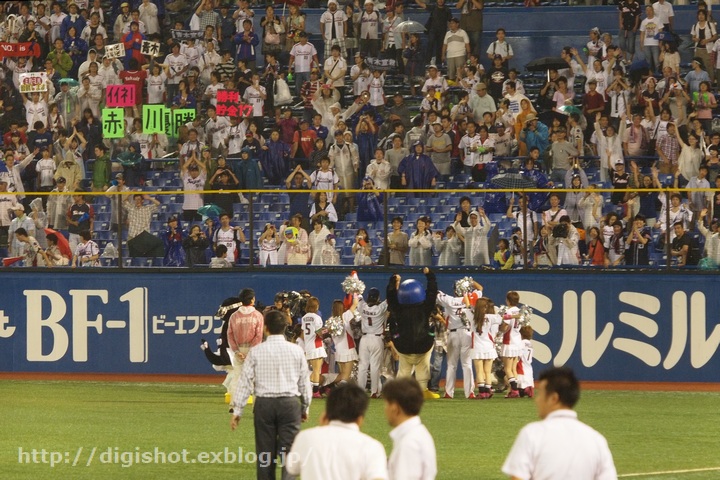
647, 431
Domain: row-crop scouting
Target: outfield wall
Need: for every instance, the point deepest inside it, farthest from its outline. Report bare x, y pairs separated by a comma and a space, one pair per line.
608, 326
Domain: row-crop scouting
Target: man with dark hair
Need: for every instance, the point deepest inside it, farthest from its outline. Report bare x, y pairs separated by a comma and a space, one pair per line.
413, 455
684, 247
559, 446
245, 330
277, 372
347, 453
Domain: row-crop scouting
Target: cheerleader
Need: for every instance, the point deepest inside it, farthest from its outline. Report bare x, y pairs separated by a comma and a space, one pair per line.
512, 342
525, 369
312, 335
345, 352
269, 243
487, 323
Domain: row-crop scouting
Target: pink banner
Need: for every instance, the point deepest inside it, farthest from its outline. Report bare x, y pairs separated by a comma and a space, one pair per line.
120, 95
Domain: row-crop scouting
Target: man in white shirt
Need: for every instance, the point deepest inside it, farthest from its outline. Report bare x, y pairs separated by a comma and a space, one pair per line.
456, 48
413, 455
560, 446
346, 452
333, 26
664, 13
302, 57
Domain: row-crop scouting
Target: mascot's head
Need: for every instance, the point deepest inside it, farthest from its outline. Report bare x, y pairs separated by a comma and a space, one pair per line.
411, 292
291, 235
228, 307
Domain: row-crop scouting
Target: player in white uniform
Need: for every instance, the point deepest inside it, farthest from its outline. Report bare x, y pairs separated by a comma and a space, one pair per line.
312, 326
459, 341
526, 382
512, 342
373, 314
486, 323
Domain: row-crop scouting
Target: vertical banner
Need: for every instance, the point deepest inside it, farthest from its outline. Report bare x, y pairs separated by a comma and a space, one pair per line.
33, 82
120, 95
179, 117
113, 122
116, 50
154, 118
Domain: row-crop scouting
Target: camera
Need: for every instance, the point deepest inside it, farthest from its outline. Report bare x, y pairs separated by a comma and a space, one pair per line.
560, 230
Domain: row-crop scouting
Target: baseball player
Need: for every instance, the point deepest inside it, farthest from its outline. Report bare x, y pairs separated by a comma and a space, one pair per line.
459, 340
373, 315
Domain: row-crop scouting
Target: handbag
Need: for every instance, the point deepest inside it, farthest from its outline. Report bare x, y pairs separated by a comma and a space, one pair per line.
279, 28
272, 38
281, 92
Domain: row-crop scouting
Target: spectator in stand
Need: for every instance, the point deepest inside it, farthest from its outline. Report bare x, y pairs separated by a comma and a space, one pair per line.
417, 171
298, 180
397, 243
303, 56
80, 217
333, 26
437, 25
173, 238
194, 175
649, 28
684, 247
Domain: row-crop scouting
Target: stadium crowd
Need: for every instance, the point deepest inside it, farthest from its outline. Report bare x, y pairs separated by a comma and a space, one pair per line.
251, 108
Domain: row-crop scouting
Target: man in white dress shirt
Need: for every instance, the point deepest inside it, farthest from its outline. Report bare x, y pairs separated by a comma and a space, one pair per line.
413, 454
560, 446
337, 448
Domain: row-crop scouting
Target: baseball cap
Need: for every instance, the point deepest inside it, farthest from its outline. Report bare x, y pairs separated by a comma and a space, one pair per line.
481, 86
61, 180
432, 66
119, 176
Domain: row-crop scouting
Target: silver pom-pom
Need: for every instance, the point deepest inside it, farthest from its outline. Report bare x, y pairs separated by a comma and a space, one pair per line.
525, 315
335, 326
352, 284
464, 286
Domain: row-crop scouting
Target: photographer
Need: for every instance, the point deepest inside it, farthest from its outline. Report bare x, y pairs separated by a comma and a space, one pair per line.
566, 238
195, 245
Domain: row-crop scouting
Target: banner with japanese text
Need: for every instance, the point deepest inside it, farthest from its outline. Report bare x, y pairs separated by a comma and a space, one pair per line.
33, 82
229, 104
113, 122
116, 50
120, 95
157, 118
24, 49
607, 326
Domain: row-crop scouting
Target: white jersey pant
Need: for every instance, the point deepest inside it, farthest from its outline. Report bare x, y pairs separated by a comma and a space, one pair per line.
268, 257
371, 355
459, 348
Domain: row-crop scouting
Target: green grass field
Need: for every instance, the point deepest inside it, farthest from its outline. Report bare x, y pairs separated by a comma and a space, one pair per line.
647, 431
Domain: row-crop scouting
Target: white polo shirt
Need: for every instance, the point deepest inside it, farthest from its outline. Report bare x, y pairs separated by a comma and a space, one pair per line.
560, 447
663, 11
413, 454
337, 450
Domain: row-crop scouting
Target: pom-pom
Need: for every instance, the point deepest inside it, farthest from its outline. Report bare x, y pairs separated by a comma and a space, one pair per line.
525, 315
464, 286
335, 326
352, 284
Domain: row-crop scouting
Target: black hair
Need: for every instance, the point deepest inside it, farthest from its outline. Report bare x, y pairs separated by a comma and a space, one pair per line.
21, 231
276, 322
406, 393
562, 381
347, 403
247, 295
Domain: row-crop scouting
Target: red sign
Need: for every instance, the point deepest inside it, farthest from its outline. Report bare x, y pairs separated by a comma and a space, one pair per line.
229, 104
26, 49
120, 95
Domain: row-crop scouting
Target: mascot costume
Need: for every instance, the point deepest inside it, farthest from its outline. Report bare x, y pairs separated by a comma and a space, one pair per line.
220, 359
410, 306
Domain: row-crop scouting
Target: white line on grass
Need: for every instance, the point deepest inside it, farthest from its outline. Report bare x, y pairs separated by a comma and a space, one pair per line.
668, 472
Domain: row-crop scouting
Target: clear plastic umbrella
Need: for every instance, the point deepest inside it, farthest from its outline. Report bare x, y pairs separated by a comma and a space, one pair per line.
410, 26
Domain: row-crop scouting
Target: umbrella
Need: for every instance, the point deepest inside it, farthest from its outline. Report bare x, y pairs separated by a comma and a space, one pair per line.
665, 36
62, 242
210, 210
570, 109
410, 26
546, 63
515, 181
70, 81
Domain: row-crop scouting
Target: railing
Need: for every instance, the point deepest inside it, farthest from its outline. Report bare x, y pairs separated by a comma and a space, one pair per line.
441, 206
